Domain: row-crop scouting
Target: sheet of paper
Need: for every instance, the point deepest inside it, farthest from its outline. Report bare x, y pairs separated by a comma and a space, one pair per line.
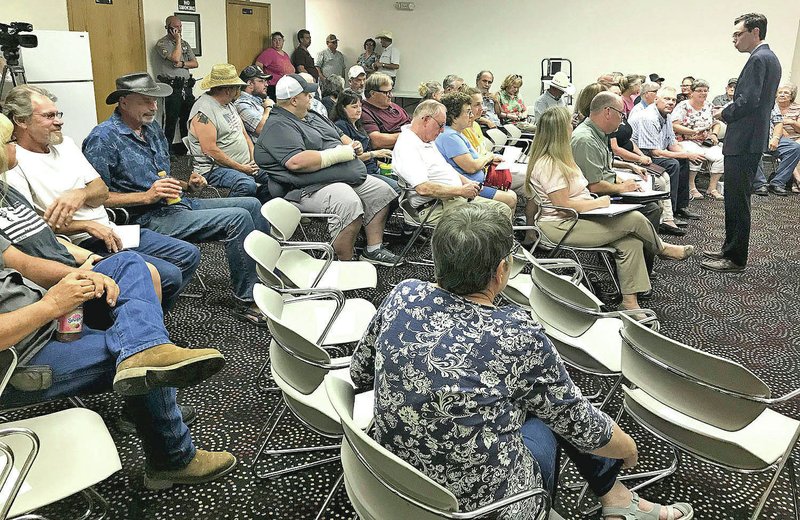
511, 153
614, 209
189, 34
129, 235
645, 193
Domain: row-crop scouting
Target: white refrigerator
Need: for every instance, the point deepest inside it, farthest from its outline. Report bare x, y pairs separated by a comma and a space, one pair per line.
62, 64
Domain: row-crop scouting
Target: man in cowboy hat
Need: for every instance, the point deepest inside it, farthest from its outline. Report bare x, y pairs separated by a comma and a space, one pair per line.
253, 104
389, 62
131, 154
216, 132
554, 95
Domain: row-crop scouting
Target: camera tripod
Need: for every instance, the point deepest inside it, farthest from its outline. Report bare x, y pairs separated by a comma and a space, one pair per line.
17, 73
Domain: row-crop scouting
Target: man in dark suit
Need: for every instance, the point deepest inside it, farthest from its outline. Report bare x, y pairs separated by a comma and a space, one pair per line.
746, 138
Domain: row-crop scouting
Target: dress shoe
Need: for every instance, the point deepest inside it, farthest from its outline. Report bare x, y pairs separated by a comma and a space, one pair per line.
778, 190
166, 366
713, 255
687, 213
671, 230
125, 423
680, 223
723, 265
645, 295
204, 467
762, 191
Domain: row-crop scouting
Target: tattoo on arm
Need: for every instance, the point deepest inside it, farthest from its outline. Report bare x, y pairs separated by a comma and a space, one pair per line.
202, 118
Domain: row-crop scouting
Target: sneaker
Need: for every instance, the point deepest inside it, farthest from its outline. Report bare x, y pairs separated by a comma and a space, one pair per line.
126, 427
381, 256
166, 366
204, 467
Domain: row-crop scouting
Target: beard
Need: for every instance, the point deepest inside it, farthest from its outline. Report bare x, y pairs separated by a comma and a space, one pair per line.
55, 138
148, 118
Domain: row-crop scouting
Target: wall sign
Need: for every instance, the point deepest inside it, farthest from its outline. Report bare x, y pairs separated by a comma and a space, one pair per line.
191, 31
106, 2
187, 6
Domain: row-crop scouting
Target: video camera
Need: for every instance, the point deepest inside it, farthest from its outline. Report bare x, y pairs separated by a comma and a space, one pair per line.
11, 40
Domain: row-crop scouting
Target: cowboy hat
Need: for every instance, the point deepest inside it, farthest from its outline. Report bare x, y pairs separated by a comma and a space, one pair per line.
138, 83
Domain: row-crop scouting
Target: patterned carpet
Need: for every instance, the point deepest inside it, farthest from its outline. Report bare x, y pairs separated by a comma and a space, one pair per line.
750, 317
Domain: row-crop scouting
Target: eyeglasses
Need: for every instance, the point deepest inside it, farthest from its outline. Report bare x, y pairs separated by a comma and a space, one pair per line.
386, 92
620, 112
50, 115
441, 125
738, 33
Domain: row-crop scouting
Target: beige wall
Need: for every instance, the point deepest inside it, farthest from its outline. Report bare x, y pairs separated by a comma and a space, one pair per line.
796, 66
443, 36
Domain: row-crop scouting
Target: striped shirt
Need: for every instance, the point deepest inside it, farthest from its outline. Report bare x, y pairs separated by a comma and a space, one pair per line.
652, 131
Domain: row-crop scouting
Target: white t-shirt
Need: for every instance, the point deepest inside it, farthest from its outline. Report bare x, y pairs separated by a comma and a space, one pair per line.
416, 162
43, 177
390, 54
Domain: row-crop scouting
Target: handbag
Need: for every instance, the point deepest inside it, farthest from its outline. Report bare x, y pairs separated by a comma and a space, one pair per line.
499, 178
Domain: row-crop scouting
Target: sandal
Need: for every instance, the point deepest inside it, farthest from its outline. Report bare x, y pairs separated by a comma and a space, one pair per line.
694, 194
714, 194
251, 315
632, 512
795, 188
687, 252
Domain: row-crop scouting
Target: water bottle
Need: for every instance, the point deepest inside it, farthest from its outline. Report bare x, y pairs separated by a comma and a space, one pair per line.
163, 175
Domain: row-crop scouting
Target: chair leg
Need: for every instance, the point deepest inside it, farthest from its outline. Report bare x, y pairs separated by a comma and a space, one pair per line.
611, 271
787, 457
261, 379
96, 508
331, 495
793, 482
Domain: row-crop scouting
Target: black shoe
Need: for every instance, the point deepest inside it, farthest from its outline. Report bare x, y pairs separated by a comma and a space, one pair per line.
680, 223
125, 424
722, 265
671, 230
645, 295
762, 191
713, 255
777, 190
687, 213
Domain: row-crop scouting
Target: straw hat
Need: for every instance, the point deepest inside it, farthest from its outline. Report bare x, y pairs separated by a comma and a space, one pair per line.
221, 75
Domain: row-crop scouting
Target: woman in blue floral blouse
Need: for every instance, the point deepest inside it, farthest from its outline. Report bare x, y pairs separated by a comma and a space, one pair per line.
475, 396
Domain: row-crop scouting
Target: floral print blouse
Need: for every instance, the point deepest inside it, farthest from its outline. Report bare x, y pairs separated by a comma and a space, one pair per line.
510, 104
454, 381
368, 62
685, 114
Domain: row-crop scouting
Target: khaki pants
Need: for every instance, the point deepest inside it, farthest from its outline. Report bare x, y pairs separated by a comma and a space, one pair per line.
438, 210
629, 234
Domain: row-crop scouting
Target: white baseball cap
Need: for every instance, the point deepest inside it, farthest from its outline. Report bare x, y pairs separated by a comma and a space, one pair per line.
355, 71
291, 85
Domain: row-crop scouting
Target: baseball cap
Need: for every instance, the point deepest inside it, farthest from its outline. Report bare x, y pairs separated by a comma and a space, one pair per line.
355, 71
251, 71
656, 77
733, 81
331, 38
291, 85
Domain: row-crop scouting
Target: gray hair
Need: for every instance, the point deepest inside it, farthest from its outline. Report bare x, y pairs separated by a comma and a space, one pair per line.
604, 100
448, 81
468, 245
650, 86
792, 90
429, 107
666, 90
18, 105
332, 85
374, 82
699, 83
428, 89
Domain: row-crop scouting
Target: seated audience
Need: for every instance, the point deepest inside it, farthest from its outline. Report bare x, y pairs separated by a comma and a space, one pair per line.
346, 115
311, 163
698, 132
330, 60
790, 110
473, 132
131, 154
554, 95
382, 118
554, 177
452, 83
630, 85
491, 427
368, 58
253, 104
330, 88
727, 97
275, 62
512, 107
118, 297
417, 161
461, 155
781, 147
584, 99
356, 77
686, 88
647, 95
301, 58
57, 181
218, 136
430, 90
316, 103
653, 134
491, 105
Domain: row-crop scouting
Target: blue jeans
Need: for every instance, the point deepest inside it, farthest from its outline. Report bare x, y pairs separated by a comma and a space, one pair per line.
203, 220
600, 472
240, 184
88, 365
788, 152
175, 260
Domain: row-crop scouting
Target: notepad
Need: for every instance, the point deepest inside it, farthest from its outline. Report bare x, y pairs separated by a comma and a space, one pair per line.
129, 235
612, 210
645, 194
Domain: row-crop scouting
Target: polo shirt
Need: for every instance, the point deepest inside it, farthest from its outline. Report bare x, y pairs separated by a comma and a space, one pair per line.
652, 131
387, 120
390, 54
301, 56
590, 149
416, 162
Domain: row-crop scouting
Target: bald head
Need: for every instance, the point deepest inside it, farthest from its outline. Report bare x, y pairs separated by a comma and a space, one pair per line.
606, 111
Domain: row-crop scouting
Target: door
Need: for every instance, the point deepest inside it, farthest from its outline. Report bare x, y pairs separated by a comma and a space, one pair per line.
248, 25
116, 40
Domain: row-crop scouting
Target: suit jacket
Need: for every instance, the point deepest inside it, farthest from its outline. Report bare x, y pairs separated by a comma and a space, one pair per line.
748, 116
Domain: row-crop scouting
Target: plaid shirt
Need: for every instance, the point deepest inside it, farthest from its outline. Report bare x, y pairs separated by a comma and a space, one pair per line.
251, 110
652, 131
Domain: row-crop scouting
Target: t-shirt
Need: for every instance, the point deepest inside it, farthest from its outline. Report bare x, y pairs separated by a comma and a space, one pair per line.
352, 132
623, 134
387, 120
230, 137
792, 113
43, 177
331, 62
165, 66
546, 178
416, 162
475, 137
390, 54
301, 56
451, 144
276, 63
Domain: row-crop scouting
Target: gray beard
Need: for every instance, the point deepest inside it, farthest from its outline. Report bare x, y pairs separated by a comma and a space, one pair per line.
55, 138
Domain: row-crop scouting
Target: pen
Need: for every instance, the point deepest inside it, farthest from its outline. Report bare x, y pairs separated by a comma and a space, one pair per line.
616, 199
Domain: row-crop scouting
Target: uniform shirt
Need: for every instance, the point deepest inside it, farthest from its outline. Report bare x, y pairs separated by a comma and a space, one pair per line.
416, 162
590, 149
251, 110
331, 62
230, 138
165, 66
390, 54
652, 131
